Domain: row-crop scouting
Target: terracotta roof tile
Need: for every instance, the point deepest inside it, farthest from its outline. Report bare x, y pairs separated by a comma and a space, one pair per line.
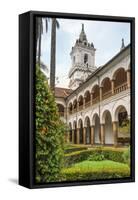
62, 92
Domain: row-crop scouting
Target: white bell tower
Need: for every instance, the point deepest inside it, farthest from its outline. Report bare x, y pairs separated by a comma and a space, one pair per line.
83, 60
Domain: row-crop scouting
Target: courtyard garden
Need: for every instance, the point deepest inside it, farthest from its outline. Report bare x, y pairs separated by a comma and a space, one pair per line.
87, 163
58, 161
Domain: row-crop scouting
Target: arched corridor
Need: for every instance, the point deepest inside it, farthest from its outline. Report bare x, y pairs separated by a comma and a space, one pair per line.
123, 122
75, 132
108, 129
80, 131
88, 130
111, 128
70, 132
96, 122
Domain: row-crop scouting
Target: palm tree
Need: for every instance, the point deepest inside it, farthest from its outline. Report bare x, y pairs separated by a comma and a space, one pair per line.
55, 24
39, 31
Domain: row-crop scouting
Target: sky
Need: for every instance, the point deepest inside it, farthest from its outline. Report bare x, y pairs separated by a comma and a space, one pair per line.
106, 37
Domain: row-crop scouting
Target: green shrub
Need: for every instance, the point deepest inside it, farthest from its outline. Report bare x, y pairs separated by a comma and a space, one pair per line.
74, 157
108, 154
114, 155
73, 149
73, 173
126, 156
49, 133
96, 157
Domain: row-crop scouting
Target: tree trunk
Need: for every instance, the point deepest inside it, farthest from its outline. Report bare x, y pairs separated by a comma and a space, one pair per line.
36, 37
39, 47
53, 55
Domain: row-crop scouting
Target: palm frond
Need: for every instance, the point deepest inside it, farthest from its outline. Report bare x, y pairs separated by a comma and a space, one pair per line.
57, 24
46, 24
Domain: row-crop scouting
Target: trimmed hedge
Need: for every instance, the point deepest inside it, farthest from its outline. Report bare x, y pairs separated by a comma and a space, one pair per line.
79, 156
73, 174
74, 149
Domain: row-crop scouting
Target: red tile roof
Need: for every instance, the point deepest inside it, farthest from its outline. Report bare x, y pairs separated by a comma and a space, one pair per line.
62, 92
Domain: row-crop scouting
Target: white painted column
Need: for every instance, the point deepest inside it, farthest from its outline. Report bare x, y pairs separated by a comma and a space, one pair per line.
115, 132
102, 134
128, 78
112, 86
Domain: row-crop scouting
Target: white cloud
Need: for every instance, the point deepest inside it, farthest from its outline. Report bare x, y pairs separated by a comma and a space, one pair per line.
106, 37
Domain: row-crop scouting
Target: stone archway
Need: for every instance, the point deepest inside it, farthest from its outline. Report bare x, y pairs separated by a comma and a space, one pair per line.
108, 129
75, 132
96, 123
70, 132
80, 125
88, 130
121, 116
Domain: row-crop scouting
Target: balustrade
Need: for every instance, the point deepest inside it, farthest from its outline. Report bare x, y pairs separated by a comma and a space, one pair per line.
87, 104
106, 95
120, 88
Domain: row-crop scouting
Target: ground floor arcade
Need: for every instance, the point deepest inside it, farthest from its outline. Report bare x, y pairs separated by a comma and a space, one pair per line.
107, 131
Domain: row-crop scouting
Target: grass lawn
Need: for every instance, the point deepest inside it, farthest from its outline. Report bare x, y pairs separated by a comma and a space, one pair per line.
83, 164
100, 165
95, 170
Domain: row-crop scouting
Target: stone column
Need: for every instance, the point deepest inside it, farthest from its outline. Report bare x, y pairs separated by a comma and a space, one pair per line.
112, 86
92, 135
91, 99
101, 88
84, 135
77, 106
72, 136
65, 112
102, 134
78, 135
115, 132
84, 103
128, 78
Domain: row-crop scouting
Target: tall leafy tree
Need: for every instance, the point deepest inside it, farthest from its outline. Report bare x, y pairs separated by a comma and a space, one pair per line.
55, 25
40, 22
49, 133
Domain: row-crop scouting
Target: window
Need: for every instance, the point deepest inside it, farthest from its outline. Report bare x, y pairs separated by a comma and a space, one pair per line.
85, 58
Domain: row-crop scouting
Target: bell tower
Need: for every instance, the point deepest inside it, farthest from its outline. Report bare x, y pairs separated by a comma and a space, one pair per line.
83, 60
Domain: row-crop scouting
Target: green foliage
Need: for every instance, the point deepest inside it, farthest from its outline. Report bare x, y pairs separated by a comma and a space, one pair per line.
49, 133
73, 149
114, 155
93, 170
125, 127
96, 157
126, 156
94, 154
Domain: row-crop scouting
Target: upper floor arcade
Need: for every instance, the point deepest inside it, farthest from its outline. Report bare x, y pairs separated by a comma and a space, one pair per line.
112, 79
